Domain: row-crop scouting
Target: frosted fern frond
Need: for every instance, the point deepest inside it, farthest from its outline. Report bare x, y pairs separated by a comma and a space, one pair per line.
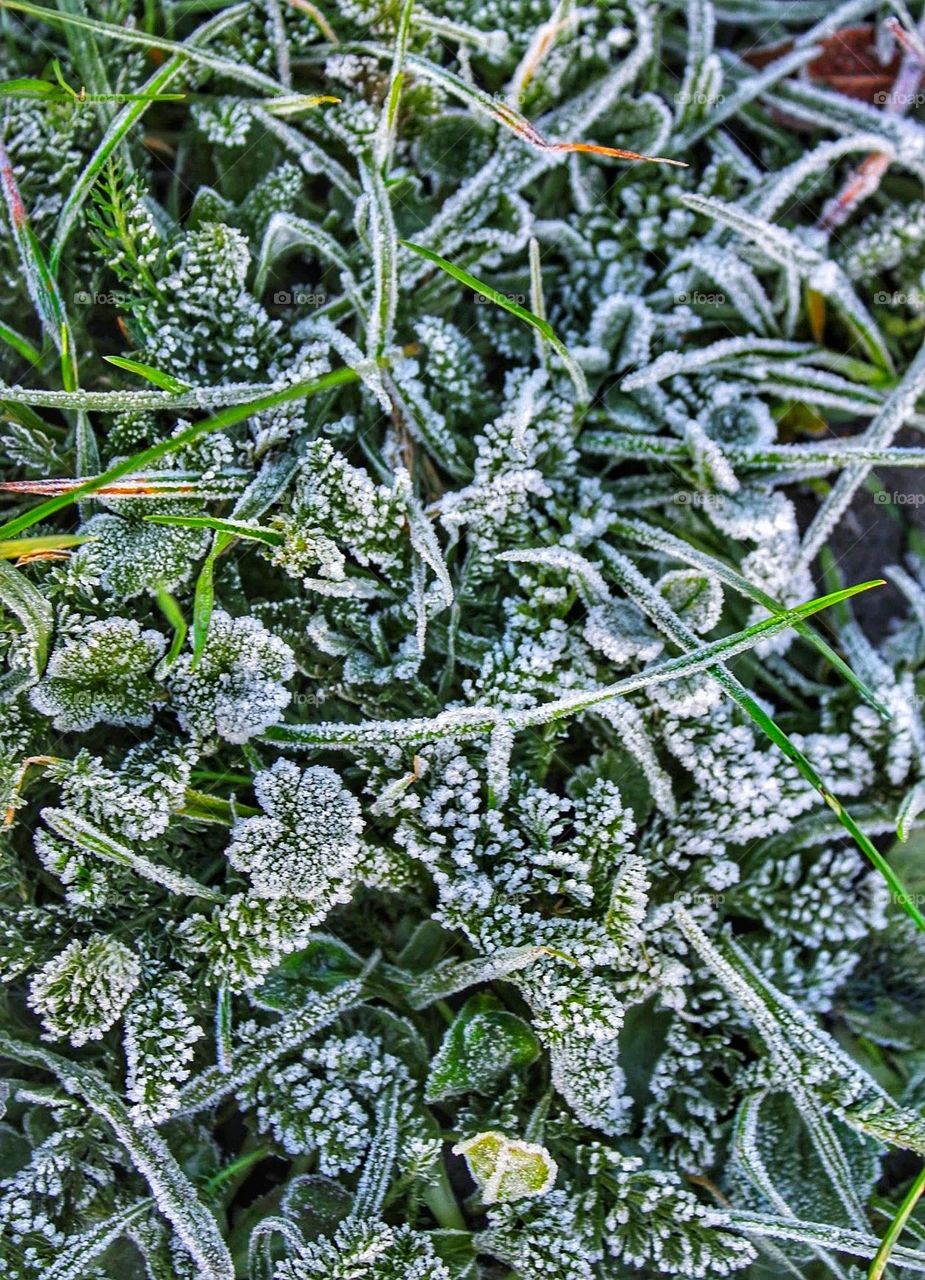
371, 1249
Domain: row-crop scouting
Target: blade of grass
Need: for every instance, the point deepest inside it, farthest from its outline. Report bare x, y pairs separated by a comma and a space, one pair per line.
120, 127
22, 346
236, 528
543, 327
174, 615
660, 540
641, 591
497, 109
895, 1229
41, 286
20, 597
16, 548
137, 462
476, 721
385, 133
142, 39
154, 376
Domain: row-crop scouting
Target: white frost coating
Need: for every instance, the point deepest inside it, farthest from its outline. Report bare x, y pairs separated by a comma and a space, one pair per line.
174, 1194
673, 363
262, 1050
71, 826
793, 254
894, 414
806, 1058
383, 238
81, 992
307, 836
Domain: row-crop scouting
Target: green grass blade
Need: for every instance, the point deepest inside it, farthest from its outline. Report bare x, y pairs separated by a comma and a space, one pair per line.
543, 327
895, 1229
236, 528
19, 548
120, 127
660, 540
154, 376
22, 346
477, 721
139, 461
640, 590
142, 39
41, 285
26, 602
174, 615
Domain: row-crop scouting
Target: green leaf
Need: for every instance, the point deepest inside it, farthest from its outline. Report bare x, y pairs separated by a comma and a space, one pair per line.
323, 965
481, 1047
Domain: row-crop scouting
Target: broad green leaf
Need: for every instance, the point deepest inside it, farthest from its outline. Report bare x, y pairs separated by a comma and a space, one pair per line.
481, 1047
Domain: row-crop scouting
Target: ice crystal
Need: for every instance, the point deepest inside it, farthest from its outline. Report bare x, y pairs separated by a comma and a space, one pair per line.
82, 991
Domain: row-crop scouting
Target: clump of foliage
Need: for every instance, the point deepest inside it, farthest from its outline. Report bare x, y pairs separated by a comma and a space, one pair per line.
440, 840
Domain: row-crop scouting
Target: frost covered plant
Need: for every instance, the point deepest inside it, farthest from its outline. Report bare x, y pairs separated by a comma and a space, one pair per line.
440, 840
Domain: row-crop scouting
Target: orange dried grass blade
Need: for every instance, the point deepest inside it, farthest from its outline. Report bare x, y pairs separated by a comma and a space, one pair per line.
124, 489
518, 124
596, 149
32, 556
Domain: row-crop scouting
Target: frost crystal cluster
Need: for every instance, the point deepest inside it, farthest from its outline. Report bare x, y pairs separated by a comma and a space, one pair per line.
459, 818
